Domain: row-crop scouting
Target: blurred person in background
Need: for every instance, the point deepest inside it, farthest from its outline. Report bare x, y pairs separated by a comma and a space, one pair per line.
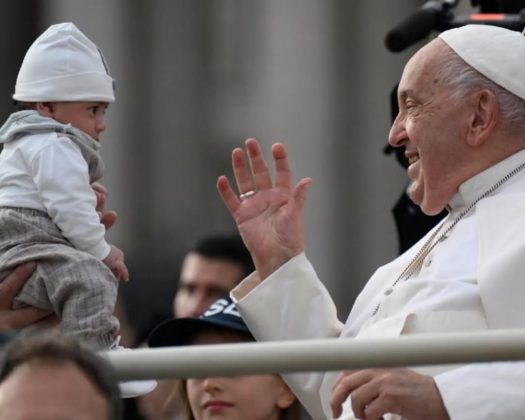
214, 266
51, 377
245, 397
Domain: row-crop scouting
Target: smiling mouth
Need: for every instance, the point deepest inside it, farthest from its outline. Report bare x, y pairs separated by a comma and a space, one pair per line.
412, 159
216, 405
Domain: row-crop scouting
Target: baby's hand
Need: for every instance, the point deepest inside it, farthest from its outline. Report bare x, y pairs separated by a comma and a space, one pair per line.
115, 262
107, 217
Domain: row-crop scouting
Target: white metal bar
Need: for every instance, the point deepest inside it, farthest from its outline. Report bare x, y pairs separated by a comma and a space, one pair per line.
318, 355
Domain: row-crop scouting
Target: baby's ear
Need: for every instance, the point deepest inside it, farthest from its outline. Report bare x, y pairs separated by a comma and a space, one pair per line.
45, 108
285, 397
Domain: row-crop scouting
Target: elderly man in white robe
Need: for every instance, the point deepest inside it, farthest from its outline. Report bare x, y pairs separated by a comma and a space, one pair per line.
462, 122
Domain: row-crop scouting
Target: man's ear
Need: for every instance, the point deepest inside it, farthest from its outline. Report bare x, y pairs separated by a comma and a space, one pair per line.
45, 109
285, 397
484, 117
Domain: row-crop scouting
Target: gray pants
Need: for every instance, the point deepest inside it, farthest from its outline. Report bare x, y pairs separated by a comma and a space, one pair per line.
79, 288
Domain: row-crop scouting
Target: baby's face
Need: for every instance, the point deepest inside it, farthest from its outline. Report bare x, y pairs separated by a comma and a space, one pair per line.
86, 116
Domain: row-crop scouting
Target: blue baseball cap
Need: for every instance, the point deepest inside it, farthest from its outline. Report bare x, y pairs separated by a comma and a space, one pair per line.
222, 314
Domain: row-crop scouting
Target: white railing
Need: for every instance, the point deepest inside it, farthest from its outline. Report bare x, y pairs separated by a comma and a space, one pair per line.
319, 355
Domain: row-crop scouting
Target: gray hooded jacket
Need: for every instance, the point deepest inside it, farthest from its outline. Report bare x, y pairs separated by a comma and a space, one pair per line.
25, 123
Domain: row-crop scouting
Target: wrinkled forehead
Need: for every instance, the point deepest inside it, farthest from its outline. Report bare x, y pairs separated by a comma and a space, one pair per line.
423, 66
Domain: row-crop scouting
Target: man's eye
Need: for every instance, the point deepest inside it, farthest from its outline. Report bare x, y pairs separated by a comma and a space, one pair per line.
218, 293
187, 289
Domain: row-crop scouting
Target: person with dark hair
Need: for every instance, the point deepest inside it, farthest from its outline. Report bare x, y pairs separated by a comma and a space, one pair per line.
51, 377
461, 122
211, 268
255, 397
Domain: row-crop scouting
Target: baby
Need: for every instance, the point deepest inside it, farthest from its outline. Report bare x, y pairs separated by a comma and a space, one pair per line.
49, 160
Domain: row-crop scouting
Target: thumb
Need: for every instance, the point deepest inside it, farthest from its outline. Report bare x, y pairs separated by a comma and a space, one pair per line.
108, 219
299, 194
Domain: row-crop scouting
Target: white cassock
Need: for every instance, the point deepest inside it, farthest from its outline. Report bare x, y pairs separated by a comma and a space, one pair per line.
472, 280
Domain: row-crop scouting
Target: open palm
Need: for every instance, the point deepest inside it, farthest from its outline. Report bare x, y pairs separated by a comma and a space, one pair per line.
271, 220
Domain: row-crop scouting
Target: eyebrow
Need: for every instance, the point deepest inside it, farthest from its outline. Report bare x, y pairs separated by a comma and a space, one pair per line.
404, 93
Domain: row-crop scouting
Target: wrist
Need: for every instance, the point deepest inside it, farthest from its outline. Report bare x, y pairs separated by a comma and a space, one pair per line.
437, 405
267, 267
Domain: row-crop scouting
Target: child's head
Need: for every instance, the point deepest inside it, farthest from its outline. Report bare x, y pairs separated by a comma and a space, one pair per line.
61, 71
255, 397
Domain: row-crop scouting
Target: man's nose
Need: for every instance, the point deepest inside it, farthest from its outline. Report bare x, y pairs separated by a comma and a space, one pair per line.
397, 136
198, 306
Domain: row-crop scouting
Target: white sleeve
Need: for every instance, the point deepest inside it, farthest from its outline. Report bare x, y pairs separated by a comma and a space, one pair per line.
62, 179
484, 391
291, 304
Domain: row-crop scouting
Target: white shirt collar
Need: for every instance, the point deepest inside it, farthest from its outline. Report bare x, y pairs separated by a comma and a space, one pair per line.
476, 186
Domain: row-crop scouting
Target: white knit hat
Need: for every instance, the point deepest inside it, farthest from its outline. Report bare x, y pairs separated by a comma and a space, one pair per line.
497, 53
64, 65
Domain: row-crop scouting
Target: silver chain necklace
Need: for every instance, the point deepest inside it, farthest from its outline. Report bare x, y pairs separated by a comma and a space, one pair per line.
416, 262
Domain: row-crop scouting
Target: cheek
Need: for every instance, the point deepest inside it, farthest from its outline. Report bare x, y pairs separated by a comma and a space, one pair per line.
438, 157
182, 299
62, 116
264, 386
194, 391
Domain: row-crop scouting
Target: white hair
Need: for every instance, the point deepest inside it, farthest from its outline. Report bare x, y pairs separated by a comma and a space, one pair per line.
464, 79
